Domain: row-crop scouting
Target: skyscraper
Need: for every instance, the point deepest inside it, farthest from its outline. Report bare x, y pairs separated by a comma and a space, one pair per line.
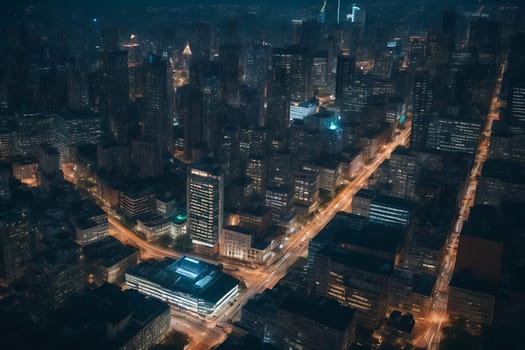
205, 197
294, 66
344, 74
422, 110
155, 116
230, 72
189, 108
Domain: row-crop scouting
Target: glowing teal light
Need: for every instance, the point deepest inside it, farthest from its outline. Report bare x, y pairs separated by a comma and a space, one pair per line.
332, 126
94, 20
402, 119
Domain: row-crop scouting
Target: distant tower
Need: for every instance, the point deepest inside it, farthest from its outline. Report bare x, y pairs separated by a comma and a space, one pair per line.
344, 74
186, 58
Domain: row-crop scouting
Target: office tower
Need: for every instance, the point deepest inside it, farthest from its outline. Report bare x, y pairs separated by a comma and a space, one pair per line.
355, 97
189, 107
278, 112
411, 292
280, 169
200, 40
306, 191
211, 108
114, 94
228, 151
8, 142
202, 70
76, 128
515, 78
452, 135
294, 66
186, 58
423, 104
401, 173
48, 166
114, 158
320, 73
146, 157
155, 114
257, 169
310, 35
354, 279
258, 65
485, 37
478, 269
58, 273
250, 107
391, 211
5, 179
280, 200
77, 88
416, 52
314, 323
437, 49
230, 72
17, 239
205, 200
34, 129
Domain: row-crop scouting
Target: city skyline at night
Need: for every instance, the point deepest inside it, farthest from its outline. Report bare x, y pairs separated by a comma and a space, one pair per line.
262, 174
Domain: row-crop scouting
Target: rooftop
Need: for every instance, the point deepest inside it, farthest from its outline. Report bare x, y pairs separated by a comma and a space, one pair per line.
325, 311
359, 261
198, 278
108, 251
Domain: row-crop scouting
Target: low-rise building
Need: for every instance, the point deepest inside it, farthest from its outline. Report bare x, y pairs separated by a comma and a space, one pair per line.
411, 292
187, 283
153, 226
108, 259
134, 202
243, 244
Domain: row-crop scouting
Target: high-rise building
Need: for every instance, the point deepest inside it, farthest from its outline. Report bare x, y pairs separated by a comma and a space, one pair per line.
295, 65
200, 40
58, 274
75, 129
250, 107
452, 135
278, 111
34, 130
189, 100
391, 211
155, 118
230, 72
146, 157
211, 108
515, 78
205, 200
423, 103
17, 237
416, 52
401, 174
344, 75
114, 94
258, 65
310, 323
306, 191
257, 169
354, 279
